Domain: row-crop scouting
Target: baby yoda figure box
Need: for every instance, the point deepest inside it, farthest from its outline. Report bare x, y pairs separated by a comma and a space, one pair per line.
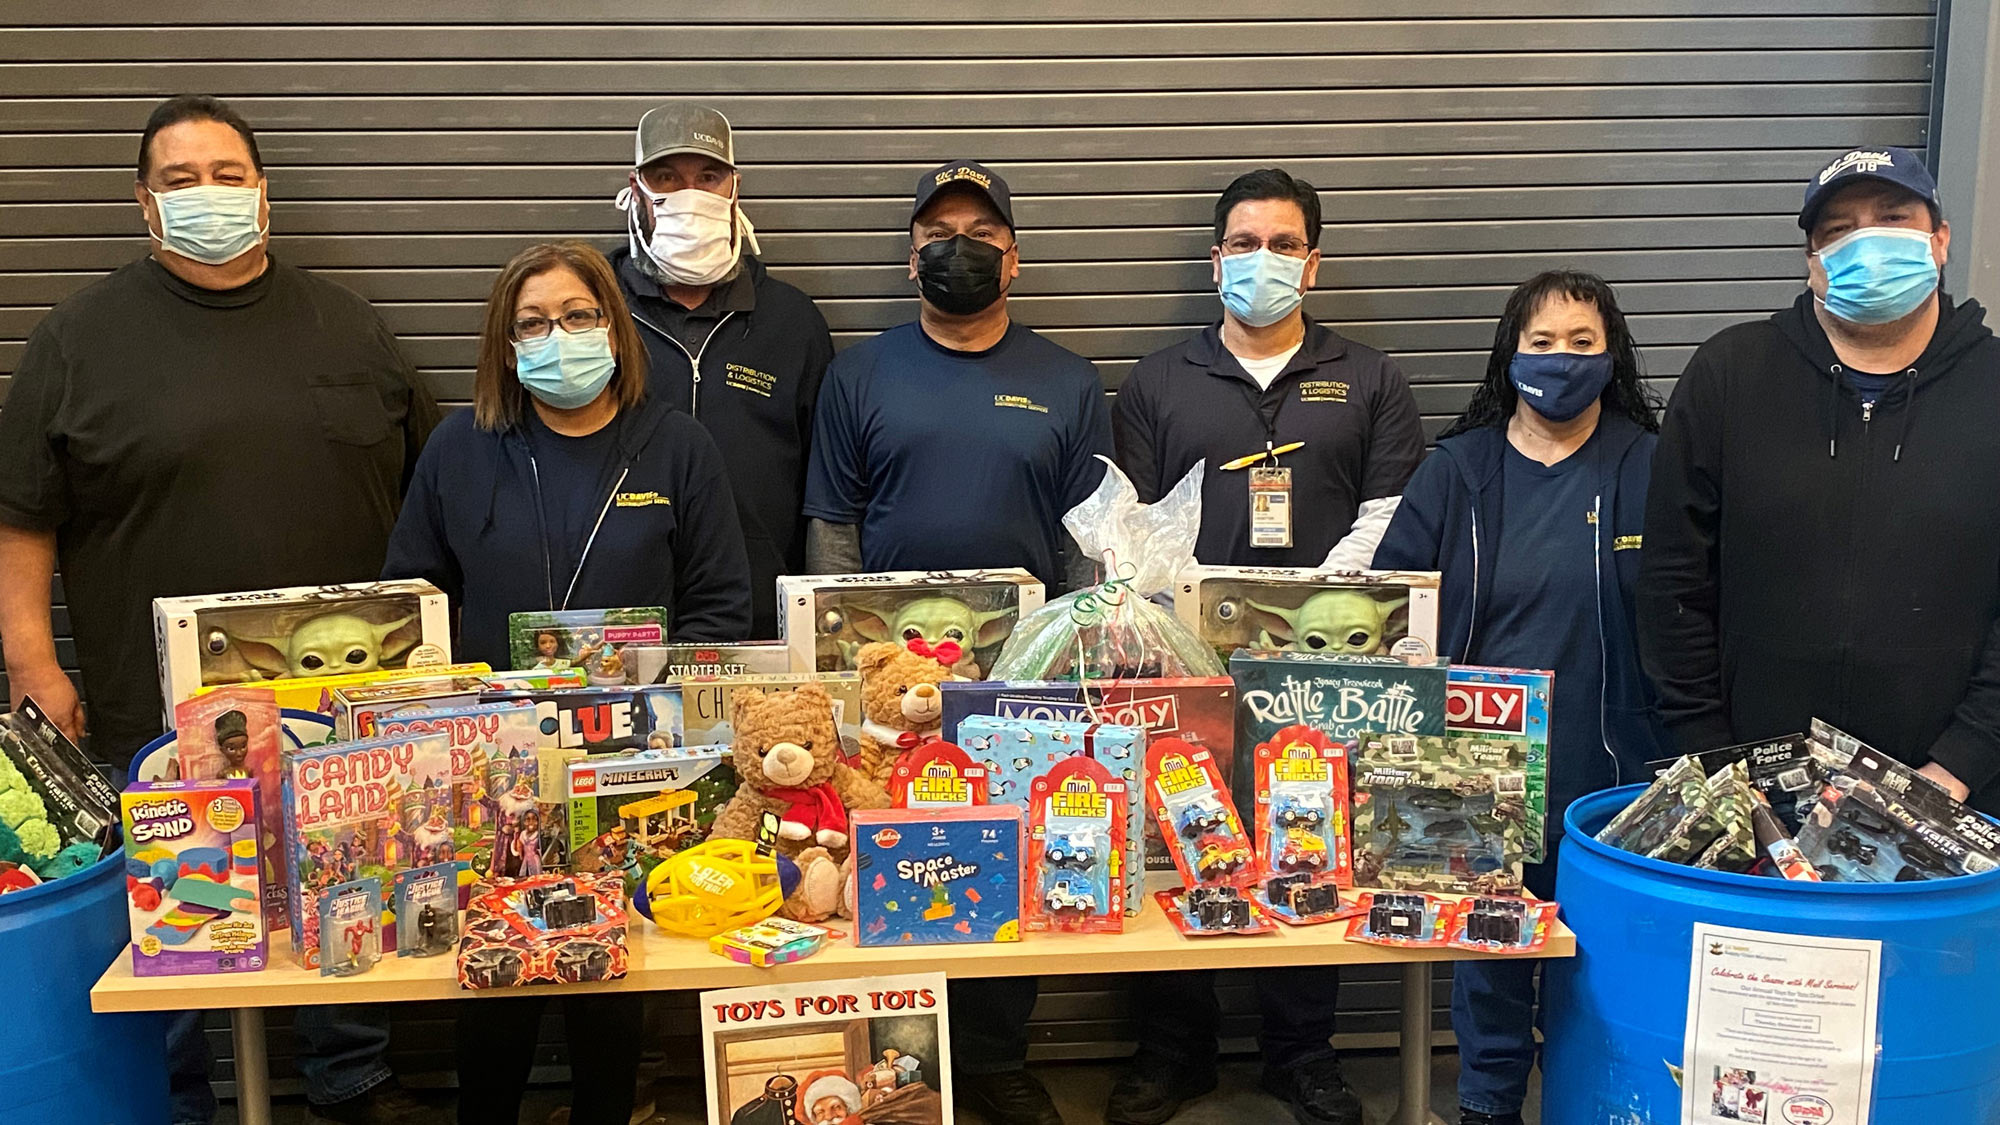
297, 632
826, 618
1329, 612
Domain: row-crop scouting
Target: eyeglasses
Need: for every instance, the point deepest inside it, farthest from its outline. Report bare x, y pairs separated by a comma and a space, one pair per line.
537, 327
1283, 244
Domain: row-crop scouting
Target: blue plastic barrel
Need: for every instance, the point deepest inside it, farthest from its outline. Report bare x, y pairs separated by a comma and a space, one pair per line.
1615, 1016
59, 1062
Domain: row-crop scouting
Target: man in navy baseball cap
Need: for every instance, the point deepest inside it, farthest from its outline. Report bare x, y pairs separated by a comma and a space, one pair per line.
964, 175
1888, 165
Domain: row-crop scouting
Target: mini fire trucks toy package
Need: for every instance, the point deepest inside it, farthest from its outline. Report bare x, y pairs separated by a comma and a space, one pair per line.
1501, 924
1302, 829
937, 876
938, 775
191, 877
1076, 850
1401, 918
1499, 704
826, 618
1214, 855
1442, 814
548, 929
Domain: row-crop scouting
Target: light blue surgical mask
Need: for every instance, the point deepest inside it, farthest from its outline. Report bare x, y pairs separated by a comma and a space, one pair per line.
1878, 274
1260, 287
211, 223
566, 370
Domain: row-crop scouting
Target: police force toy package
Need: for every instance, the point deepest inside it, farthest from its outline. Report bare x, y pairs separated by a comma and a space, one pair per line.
1017, 751
628, 812
191, 877
1076, 850
548, 929
358, 810
1330, 612
297, 632
494, 782
1200, 711
937, 876
1218, 865
1302, 830
237, 732
593, 640
1437, 813
825, 619
1495, 704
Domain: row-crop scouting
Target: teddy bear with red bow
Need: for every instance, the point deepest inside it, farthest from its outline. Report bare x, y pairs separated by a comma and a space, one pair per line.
901, 706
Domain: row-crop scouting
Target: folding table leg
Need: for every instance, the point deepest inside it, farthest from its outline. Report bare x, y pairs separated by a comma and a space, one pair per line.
253, 1067
1416, 1046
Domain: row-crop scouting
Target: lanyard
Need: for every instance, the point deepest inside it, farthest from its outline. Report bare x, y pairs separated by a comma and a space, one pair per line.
541, 518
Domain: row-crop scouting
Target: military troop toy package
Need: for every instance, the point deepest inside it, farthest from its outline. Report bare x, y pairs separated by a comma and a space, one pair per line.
1325, 612
825, 619
1512, 704
1438, 813
593, 640
937, 876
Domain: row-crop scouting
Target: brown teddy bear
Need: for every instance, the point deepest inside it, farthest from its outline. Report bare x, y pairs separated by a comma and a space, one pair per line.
789, 764
901, 706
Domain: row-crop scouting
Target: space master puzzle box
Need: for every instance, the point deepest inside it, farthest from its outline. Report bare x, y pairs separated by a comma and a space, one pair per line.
937, 876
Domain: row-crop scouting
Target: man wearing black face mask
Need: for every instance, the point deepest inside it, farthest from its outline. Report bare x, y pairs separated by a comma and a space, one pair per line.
958, 442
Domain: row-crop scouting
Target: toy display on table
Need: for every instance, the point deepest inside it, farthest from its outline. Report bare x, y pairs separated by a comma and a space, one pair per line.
1437, 813
1077, 878
774, 941
58, 815
1408, 918
719, 885
494, 780
1501, 704
298, 632
939, 876
548, 929
315, 693
709, 710
628, 812
593, 640
1502, 925
1017, 751
672, 663
1302, 830
825, 619
1199, 710
350, 927
1216, 858
901, 706
938, 775
359, 709
360, 810
1324, 612
425, 903
192, 878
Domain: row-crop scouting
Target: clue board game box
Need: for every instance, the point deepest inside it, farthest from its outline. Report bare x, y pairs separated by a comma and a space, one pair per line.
191, 877
297, 632
670, 664
1330, 612
357, 709
238, 732
708, 704
627, 812
356, 810
937, 876
1509, 703
593, 640
826, 618
1017, 751
1200, 711
494, 779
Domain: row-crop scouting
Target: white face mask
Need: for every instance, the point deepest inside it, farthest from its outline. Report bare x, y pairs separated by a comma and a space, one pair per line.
695, 238
211, 223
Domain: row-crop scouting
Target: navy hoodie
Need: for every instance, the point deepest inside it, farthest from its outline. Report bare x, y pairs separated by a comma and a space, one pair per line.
669, 536
1451, 520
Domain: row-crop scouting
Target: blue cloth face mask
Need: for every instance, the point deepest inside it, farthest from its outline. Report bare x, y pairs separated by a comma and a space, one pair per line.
1260, 287
210, 223
1878, 274
566, 370
1560, 385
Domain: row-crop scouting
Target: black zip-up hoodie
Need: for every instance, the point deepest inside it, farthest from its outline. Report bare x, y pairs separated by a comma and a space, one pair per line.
754, 388
1806, 556
668, 536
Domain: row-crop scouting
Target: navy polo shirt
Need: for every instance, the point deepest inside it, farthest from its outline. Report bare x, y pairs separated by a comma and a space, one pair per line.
951, 459
1350, 404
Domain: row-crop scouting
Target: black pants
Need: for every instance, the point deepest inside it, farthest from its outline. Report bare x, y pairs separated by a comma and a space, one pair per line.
989, 1023
496, 1049
1179, 1018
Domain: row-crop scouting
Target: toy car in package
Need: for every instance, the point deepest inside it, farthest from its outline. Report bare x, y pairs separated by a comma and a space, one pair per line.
1302, 829
1497, 704
1439, 813
1501, 924
1076, 850
1113, 630
1196, 817
593, 640
938, 775
1210, 910
1401, 918
1336, 612
546, 929
1924, 797
826, 618
297, 632
1858, 833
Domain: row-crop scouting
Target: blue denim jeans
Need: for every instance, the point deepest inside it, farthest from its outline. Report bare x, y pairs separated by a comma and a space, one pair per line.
1493, 1015
342, 1055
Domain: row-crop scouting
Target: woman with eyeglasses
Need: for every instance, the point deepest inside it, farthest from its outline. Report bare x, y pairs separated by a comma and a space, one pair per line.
564, 487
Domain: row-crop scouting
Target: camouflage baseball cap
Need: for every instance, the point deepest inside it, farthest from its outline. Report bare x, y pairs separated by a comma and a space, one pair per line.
678, 127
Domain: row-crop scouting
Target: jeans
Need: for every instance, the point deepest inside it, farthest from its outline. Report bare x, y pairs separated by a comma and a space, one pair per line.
496, 1050
989, 1023
341, 1057
1493, 1015
1179, 1018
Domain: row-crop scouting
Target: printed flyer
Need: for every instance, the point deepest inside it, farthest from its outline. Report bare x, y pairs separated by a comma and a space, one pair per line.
1780, 1029
829, 1052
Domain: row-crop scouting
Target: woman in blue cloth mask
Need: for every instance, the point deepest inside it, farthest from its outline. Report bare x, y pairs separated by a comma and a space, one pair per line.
1532, 507
564, 487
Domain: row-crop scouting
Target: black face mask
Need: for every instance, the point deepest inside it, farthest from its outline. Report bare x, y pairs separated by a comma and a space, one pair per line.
959, 275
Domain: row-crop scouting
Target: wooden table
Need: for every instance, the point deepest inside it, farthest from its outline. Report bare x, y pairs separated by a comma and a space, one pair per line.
661, 962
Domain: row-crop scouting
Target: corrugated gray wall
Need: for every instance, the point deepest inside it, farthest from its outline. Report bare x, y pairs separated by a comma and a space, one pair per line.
1461, 145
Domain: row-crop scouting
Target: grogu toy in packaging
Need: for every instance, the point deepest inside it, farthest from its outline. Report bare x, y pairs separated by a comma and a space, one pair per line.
827, 618
1328, 612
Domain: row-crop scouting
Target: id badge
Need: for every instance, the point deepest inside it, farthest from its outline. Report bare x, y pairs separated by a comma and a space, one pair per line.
1270, 506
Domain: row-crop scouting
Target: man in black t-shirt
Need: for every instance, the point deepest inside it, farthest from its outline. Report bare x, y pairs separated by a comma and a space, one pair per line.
204, 420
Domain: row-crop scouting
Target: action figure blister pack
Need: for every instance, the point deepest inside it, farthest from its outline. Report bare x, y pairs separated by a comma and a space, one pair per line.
548, 929
494, 779
593, 640
191, 878
297, 632
942, 876
628, 812
425, 903
1325, 612
938, 775
350, 927
1856, 833
1076, 881
237, 732
1437, 813
826, 618
1497, 704
1401, 918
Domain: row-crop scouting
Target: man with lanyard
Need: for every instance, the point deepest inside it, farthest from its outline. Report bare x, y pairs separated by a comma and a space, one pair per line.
1309, 439
727, 342
959, 441
205, 419
1839, 455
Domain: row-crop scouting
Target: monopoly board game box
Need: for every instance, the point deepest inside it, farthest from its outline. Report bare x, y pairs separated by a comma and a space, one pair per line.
1510, 704
937, 876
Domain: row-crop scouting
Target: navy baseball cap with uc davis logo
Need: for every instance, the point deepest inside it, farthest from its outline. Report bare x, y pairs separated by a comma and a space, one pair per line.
964, 175
1897, 166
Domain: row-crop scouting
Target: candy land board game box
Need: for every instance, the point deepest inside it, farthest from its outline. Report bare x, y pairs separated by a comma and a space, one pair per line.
494, 779
937, 876
358, 709
357, 810
191, 879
